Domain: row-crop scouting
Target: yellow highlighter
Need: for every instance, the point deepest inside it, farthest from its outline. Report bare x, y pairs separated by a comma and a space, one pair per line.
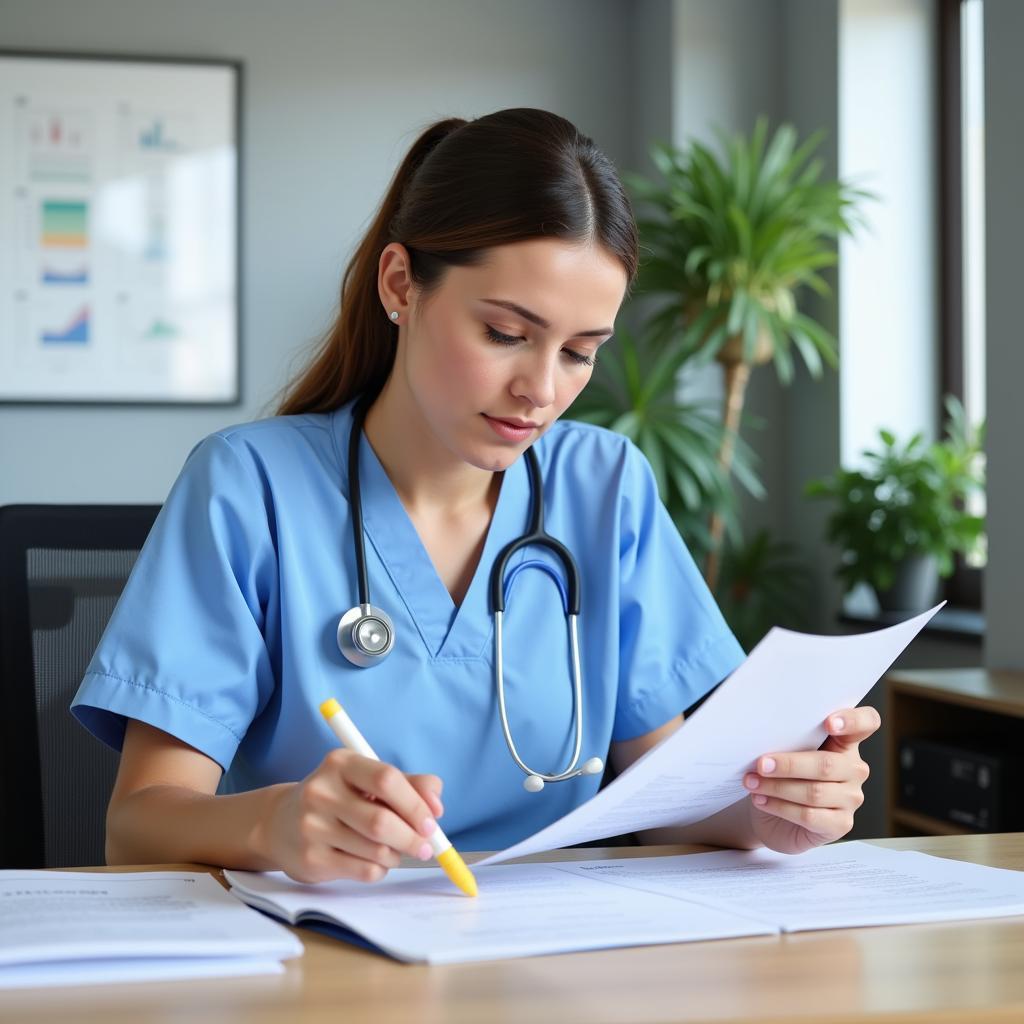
447, 856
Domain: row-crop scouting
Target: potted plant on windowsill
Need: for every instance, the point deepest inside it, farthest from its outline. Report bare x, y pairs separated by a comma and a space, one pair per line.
900, 519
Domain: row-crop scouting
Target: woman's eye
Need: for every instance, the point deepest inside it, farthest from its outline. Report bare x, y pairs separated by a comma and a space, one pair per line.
579, 357
502, 339
510, 339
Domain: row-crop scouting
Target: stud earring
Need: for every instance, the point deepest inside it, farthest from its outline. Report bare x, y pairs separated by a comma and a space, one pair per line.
394, 314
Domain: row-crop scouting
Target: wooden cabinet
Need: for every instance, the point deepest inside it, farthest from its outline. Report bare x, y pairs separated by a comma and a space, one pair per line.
974, 703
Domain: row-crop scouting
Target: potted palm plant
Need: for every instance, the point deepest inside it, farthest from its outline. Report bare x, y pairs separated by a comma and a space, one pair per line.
732, 242
901, 517
634, 392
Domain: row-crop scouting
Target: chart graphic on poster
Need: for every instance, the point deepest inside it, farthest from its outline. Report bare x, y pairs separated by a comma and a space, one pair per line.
118, 230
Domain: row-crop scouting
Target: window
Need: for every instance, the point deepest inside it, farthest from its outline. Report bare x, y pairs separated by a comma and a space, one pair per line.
962, 198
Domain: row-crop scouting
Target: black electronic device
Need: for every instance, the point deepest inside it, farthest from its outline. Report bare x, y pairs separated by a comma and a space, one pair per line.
971, 783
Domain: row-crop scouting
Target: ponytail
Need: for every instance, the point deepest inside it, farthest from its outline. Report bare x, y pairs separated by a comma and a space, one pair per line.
356, 355
464, 187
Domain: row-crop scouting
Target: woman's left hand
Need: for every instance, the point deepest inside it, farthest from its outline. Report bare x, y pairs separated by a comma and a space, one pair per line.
808, 798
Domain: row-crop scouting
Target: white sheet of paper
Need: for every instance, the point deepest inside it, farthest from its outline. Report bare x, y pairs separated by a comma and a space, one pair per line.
776, 701
522, 910
844, 885
53, 916
147, 969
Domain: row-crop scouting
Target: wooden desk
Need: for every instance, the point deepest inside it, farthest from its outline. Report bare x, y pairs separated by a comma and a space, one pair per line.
956, 973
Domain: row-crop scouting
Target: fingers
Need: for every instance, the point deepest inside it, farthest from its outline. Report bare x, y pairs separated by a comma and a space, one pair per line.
847, 729
323, 836
826, 823
398, 816
324, 864
814, 765
853, 725
354, 816
817, 790
319, 830
429, 787
810, 793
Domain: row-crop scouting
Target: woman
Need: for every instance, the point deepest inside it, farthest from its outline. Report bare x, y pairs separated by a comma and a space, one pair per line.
471, 316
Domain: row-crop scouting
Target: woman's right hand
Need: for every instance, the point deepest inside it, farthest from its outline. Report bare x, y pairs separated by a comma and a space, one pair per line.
352, 817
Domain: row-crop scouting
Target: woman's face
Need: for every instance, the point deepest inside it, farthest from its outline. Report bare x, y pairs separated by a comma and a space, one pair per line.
488, 379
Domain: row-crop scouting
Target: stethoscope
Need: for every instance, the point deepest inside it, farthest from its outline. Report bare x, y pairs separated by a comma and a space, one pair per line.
366, 634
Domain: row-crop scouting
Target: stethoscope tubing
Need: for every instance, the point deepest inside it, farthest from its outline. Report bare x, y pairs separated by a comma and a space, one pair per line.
355, 500
535, 536
571, 770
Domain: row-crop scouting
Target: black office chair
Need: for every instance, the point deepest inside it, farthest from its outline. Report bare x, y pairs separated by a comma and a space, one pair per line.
62, 569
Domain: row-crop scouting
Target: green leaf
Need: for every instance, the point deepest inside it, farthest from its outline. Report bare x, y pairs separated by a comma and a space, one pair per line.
807, 349
751, 330
780, 352
744, 235
820, 338
662, 157
649, 443
737, 312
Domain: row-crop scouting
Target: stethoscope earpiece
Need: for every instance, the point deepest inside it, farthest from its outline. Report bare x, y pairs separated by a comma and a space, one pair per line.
533, 783
366, 634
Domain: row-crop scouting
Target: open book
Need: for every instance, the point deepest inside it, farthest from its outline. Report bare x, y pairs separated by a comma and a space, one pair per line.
531, 909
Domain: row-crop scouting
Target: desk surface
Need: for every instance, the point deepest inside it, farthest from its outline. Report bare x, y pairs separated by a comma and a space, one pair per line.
956, 973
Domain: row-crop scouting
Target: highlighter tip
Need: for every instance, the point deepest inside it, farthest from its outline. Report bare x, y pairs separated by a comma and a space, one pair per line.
455, 868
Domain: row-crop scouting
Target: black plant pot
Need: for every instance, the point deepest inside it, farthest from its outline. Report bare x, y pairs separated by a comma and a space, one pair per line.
915, 586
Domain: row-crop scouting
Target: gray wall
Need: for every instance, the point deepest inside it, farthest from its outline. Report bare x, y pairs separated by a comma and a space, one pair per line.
810, 427
1004, 228
334, 94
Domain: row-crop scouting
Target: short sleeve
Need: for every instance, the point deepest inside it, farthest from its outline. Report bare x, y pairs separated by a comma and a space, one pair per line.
184, 650
674, 644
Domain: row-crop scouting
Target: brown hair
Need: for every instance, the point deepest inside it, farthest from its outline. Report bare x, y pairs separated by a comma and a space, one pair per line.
465, 187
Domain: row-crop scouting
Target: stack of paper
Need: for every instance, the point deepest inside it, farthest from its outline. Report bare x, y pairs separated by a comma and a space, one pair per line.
530, 909
73, 928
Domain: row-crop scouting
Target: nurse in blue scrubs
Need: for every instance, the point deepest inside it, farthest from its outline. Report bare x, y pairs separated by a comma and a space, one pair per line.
471, 315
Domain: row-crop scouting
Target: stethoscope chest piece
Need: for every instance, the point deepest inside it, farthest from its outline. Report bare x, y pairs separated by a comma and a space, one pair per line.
365, 635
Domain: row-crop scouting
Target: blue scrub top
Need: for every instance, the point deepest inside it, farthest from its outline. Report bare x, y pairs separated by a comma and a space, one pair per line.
225, 634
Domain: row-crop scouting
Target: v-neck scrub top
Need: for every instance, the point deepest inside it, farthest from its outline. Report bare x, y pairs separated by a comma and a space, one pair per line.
225, 633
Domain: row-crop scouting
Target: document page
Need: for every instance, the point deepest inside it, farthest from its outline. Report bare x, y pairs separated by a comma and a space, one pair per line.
844, 885
777, 700
532, 909
50, 916
522, 910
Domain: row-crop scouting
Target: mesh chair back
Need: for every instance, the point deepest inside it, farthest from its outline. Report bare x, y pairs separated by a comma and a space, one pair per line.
62, 569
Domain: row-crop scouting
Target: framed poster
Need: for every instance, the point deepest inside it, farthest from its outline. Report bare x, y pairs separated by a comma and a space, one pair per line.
119, 229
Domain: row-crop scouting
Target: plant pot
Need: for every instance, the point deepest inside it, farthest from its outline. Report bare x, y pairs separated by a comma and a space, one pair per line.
915, 586
731, 352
